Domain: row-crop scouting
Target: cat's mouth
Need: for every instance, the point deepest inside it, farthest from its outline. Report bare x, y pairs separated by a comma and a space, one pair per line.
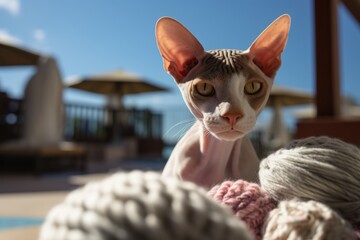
227, 132
230, 134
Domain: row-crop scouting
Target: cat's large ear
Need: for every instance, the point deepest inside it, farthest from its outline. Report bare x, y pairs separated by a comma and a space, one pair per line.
266, 50
180, 50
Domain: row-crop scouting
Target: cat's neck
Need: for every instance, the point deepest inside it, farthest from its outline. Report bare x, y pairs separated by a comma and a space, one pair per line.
209, 143
218, 156
216, 159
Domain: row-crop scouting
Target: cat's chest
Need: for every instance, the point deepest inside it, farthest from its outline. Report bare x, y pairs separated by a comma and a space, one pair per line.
218, 160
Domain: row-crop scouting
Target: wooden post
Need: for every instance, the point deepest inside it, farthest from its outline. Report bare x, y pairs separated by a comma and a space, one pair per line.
328, 98
354, 7
327, 59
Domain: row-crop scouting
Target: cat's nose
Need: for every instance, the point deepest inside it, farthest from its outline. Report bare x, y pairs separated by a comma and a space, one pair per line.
232, 117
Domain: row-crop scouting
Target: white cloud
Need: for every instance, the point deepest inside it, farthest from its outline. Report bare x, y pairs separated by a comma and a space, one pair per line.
39, 35
6, 37
13, 6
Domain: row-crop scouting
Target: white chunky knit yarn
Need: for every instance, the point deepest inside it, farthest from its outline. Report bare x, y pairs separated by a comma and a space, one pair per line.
296, 220
140, 206
322, 169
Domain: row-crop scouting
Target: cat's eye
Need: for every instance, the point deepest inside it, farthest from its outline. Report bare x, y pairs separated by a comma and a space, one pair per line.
253, 87
205, 89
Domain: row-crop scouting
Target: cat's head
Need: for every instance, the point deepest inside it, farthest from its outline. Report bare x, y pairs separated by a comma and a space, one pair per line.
224, 89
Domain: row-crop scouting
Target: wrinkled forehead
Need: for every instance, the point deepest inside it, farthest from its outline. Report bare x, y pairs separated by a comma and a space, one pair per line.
223, 63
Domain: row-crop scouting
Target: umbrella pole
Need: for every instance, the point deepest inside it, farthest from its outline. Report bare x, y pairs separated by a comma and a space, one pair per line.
278, 134
115, 104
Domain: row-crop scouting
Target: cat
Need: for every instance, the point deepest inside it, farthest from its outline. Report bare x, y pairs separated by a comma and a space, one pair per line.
225, 90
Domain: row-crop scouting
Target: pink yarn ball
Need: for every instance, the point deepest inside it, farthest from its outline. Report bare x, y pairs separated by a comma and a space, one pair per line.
247, 200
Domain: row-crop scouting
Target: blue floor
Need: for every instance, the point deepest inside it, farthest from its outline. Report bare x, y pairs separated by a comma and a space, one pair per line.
18, 222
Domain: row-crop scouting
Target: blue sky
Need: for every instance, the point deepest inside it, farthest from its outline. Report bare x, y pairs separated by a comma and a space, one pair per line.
89, 37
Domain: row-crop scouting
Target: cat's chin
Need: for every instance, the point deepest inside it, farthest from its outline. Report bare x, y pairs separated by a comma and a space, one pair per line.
230, 136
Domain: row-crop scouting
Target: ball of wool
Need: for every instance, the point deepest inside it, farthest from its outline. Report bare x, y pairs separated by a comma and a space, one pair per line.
306, 220
247, 200
322, 169
141, 205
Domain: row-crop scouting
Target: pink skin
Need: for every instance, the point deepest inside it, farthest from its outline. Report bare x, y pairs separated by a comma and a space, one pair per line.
207, 160
216, 148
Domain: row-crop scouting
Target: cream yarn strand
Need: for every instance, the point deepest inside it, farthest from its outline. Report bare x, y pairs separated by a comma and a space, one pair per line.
296, 220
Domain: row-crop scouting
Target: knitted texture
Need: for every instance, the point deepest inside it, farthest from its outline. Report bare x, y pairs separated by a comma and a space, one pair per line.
247, 200
317, 168
306, 220
141, 205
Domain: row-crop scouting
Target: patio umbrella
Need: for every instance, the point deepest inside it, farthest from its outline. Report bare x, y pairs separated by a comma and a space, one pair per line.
118, 83
287, 97
277, 134
115, 85
349, 109
11, 55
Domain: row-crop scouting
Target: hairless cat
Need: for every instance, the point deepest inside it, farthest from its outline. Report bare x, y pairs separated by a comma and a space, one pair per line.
225, 90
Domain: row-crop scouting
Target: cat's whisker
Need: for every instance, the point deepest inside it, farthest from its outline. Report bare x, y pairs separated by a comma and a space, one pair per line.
183, 130
207, 132
187, 123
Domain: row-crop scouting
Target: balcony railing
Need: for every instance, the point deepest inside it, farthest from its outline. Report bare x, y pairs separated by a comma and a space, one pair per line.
93, 124
11, 118
87, 123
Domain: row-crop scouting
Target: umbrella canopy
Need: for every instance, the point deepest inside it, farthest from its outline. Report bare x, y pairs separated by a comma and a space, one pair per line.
114, 83
11, 55
286, 97
349, 109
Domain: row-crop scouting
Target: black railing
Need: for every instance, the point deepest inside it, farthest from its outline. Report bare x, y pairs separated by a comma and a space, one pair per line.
11, 118
88, 123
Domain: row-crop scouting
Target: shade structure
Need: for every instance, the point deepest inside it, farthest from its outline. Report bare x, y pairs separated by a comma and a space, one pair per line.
349, 109
11, 55
287, 97
114, 83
